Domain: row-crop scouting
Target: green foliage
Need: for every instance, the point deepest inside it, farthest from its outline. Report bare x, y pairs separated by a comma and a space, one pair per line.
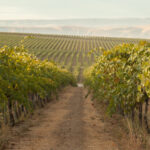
121, 76
23, 74
69, 51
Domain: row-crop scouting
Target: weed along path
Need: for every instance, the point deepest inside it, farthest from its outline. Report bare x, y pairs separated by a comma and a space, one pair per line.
70, 123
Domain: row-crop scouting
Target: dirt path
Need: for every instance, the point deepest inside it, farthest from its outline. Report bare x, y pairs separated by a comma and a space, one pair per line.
71, 123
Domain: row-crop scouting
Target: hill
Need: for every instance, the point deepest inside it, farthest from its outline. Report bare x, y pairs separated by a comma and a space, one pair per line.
68, 51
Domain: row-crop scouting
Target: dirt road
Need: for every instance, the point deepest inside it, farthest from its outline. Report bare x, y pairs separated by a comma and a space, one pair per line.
70, 123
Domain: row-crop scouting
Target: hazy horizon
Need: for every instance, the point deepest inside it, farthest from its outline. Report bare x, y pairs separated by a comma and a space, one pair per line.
123, 27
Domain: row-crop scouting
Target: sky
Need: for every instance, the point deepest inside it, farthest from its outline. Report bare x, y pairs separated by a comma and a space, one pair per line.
70, 9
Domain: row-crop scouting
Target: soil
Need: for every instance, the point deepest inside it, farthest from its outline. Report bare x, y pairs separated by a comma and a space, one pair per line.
70, 123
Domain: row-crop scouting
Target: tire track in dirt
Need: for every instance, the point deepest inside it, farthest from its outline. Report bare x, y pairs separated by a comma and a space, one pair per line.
70, 134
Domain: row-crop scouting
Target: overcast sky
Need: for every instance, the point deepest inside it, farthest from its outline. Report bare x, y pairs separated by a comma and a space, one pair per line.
65, 9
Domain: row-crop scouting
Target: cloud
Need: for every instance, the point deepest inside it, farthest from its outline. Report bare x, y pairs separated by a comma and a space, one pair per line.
12, 12
8, 10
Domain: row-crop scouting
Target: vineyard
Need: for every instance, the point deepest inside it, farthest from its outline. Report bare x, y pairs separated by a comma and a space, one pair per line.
68, 51
121, 78
27, 83
35, 69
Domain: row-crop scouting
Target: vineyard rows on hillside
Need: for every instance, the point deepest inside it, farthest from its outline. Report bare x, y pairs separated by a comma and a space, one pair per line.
68, 51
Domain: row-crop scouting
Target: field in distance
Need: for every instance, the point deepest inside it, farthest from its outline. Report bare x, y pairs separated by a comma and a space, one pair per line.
68, 51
